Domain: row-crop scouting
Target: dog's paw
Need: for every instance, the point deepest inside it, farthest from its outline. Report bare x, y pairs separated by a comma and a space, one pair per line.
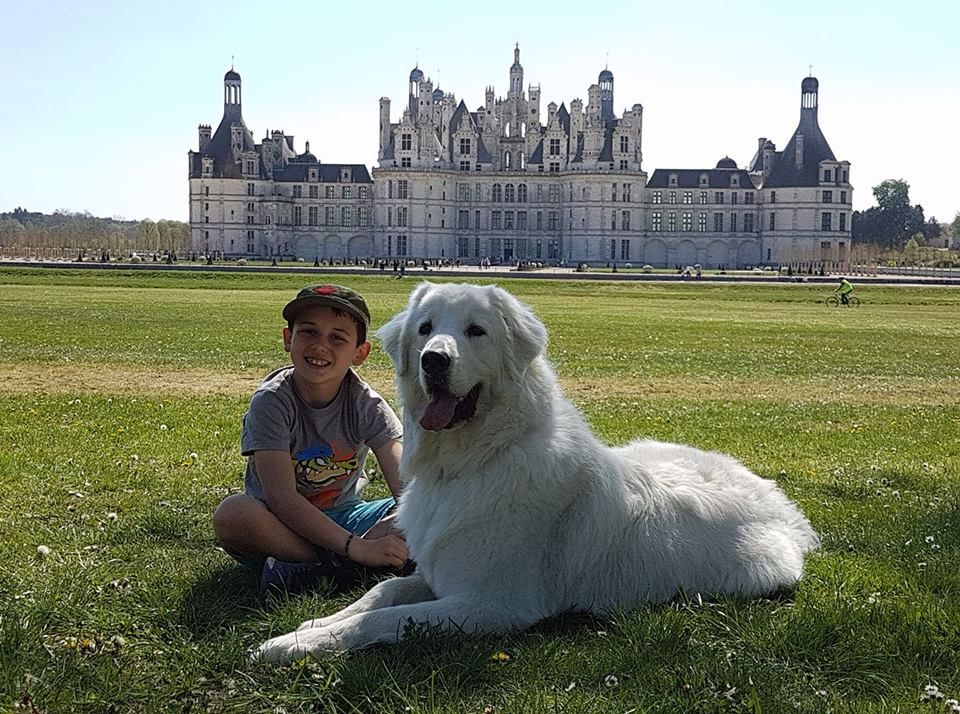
296, 645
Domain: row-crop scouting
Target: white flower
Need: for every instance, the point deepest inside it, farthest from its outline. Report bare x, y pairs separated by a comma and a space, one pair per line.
931, 691
43, 551
929, 539
112, 516
163, 427
953, 705
611, 680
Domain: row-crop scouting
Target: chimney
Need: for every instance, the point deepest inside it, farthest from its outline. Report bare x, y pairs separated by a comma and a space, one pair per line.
204, 131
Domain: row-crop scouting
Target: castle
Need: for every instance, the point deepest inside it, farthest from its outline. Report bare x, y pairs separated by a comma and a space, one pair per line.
507, 183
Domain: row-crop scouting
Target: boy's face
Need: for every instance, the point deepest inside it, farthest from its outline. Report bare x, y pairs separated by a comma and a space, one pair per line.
323, 346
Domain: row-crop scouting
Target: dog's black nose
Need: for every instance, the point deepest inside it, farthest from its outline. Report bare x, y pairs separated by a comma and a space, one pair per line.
434, 363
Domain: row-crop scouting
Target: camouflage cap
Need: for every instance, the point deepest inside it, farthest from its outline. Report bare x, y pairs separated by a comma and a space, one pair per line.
328, 295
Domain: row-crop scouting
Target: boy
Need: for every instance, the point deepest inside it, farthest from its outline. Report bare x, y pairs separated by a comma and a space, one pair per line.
306, 435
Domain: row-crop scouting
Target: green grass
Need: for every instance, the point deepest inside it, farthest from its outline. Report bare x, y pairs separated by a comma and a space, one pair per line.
116, 380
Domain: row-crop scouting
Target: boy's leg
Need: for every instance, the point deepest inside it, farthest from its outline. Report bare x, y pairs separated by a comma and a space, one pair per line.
246, 527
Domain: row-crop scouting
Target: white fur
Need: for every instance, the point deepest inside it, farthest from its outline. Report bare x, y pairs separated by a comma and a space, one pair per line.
522, 513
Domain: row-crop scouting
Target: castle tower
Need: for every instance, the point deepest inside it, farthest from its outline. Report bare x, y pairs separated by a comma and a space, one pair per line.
231, 95
416, 77
606, 95
809, 89
516, 75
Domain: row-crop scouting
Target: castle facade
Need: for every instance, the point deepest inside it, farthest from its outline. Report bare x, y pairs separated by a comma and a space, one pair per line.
508, 182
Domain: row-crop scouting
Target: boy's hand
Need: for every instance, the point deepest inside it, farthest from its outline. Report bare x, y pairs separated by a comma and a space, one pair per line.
387, 552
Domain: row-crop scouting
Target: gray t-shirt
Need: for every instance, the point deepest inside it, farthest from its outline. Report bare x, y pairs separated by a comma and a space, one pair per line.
328, 445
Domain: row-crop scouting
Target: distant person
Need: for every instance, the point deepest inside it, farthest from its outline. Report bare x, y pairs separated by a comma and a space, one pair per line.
843, 292
306, 436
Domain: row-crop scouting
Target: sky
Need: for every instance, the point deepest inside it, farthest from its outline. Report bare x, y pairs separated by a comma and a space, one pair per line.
102, 99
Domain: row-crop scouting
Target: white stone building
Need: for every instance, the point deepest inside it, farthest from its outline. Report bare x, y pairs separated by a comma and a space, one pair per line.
508, 183
266, 201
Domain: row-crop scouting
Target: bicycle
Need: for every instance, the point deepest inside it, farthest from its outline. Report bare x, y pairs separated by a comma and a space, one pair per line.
834, 301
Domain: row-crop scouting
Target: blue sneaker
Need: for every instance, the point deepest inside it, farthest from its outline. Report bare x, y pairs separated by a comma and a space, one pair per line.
281, 576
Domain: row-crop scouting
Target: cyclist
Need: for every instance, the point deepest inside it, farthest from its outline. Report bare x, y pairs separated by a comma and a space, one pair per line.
843, 292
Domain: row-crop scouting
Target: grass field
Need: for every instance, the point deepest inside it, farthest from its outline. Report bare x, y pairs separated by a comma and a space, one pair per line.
120, 415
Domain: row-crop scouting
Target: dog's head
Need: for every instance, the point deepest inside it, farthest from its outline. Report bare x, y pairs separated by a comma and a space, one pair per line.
456, 346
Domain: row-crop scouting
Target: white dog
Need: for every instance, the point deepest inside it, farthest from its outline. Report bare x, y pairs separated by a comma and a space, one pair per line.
514, 511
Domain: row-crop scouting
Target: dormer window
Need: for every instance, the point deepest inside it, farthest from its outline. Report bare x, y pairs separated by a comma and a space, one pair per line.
207, 167
734, 181
673, 179
704, 180
314, 175
827, 175
345, 175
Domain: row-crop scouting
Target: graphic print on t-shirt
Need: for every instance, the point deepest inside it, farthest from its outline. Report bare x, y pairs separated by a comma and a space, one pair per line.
321, 471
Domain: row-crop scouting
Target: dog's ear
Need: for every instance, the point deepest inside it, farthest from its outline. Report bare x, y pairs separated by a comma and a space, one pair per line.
524, 330
391, 337
395, 335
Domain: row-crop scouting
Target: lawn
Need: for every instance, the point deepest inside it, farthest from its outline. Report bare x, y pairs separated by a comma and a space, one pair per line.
119, 433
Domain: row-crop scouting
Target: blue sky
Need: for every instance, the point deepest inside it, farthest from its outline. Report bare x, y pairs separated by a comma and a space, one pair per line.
102, 100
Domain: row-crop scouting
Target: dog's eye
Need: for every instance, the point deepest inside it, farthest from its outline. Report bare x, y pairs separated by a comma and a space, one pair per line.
426, 328
475, 331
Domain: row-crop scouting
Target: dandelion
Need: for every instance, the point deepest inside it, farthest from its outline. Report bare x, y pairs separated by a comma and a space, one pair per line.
43, 551
500, 656
931, 692
611, 681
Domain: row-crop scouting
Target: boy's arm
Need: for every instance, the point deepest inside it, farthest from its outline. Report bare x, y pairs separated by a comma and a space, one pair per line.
388, 456
279, 484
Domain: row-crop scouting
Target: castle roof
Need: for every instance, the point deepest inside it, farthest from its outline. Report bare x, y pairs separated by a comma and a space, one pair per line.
220, 149
328, 173
786, 172
690, 178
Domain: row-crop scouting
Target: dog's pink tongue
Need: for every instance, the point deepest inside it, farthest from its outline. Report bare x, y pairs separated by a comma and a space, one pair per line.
439, 412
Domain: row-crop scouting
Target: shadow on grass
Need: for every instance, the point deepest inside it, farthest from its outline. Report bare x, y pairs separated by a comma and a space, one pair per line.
225, 596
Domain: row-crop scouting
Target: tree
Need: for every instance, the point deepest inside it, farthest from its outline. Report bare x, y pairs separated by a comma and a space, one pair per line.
954, 227
893, 221
931, 230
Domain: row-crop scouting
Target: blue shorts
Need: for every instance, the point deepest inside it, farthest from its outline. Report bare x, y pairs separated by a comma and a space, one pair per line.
358, 518
361, 517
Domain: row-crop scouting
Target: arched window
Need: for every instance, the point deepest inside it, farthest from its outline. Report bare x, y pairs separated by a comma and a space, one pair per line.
506, 129
497, 194
508, 193
522, 193
523, 160
523, 128
506, 159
